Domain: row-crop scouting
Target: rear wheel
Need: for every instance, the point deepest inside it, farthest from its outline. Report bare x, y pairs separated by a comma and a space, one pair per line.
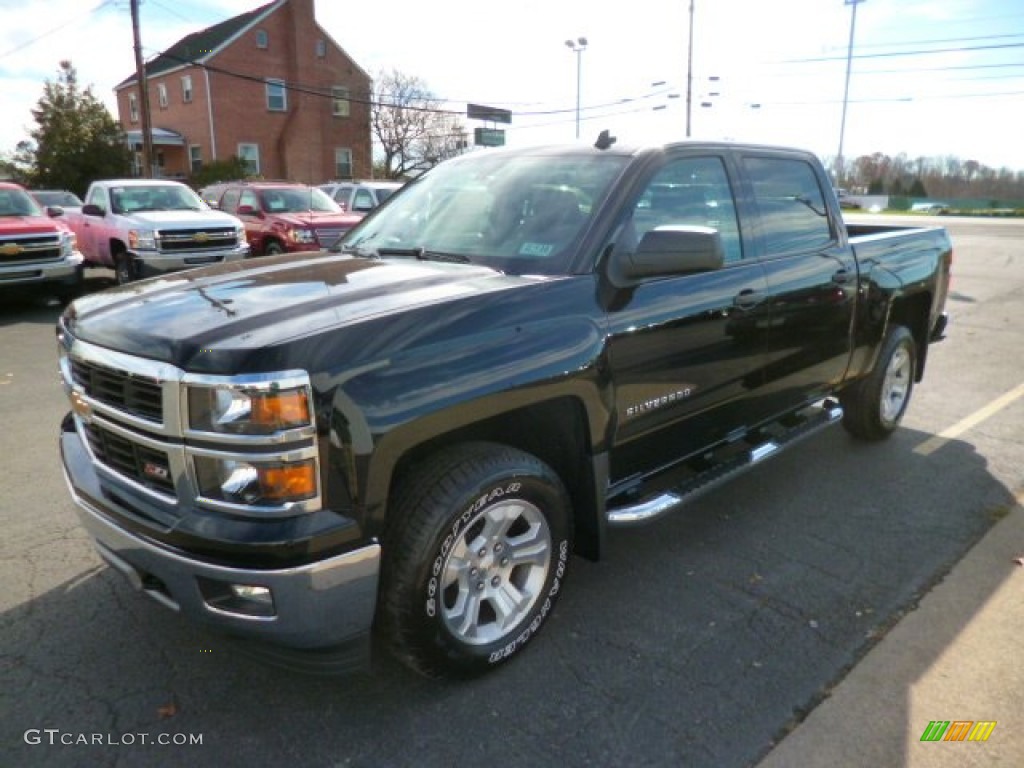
475, 558
873, 407
272, 248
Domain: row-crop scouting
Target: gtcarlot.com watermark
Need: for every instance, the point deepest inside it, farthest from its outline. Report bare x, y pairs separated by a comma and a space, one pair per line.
57, 737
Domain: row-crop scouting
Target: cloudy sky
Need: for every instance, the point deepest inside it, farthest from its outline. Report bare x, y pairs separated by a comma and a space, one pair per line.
929, 77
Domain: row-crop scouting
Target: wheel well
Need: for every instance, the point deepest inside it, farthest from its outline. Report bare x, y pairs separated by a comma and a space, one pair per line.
116, 247
554, 431
912, 312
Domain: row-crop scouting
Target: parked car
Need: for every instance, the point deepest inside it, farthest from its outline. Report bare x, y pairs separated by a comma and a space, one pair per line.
36, 249
521, 351
360, 196
146, 227
930, 206
282, 217
57, 198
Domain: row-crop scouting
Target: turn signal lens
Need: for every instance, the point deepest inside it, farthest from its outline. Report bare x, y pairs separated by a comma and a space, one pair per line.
281, 410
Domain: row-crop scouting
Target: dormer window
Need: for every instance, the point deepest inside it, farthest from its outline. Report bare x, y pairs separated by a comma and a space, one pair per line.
262, 39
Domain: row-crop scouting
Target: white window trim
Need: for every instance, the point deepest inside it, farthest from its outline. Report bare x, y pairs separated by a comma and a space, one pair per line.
242, 147
186, 89
338, 153
133, 108
340, 103
192, 159
271, 83
161, 94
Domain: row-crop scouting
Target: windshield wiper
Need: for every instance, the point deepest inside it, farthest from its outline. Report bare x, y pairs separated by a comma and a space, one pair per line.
419, 252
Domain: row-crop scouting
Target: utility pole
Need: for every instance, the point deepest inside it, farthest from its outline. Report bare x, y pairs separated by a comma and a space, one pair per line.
140, 75
839, 170
689, 74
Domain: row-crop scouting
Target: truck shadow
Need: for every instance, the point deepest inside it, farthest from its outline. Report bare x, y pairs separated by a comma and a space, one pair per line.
700, 640
38, 305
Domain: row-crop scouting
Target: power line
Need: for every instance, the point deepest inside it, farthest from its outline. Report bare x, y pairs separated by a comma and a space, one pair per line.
37, 38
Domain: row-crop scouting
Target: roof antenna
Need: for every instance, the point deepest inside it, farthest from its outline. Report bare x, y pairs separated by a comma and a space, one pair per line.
605, 140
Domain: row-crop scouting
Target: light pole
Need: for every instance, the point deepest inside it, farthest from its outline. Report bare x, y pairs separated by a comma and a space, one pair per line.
689, 74
846, 89
578, 46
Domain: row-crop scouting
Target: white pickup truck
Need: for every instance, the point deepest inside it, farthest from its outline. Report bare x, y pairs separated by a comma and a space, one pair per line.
146, 227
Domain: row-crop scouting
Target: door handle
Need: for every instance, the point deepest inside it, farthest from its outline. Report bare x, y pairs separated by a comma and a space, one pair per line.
748, 298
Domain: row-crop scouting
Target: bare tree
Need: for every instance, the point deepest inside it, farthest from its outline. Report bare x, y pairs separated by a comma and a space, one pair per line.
412, 131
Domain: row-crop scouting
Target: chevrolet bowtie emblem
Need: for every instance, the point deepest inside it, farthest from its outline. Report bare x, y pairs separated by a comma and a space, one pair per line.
202, 237
10, 249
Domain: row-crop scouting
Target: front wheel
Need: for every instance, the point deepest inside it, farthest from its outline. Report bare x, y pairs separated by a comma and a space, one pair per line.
272, 248
124, 270
475, 556
873, 407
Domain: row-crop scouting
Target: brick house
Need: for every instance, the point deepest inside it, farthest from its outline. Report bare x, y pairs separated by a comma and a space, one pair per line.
269, 86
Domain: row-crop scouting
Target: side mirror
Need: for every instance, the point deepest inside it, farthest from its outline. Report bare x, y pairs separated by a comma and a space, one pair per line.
91, 209
53, 211
666, 251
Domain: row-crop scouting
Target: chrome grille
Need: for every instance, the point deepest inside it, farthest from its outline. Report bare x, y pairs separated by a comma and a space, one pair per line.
23, 249
145, 466
328, 236
208, 239
137, 395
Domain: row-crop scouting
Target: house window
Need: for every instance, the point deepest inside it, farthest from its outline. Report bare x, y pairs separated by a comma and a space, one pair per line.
339, 101
342, 163
161, 94
277, 97
250, 155
321, 48
133, 107
262, 39
186, 88
195, 157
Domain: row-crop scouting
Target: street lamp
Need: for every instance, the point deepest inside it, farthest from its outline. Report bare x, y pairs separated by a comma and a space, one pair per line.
578, 46
846, 89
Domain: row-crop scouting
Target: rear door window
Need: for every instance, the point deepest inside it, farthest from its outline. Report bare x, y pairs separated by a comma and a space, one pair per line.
791, 204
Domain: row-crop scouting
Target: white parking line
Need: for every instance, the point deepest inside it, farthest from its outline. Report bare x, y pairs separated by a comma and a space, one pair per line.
933, 443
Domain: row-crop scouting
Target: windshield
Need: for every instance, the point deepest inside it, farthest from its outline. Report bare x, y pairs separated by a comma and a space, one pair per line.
155, 198
521, 214
15, 202
64, 199
291, 200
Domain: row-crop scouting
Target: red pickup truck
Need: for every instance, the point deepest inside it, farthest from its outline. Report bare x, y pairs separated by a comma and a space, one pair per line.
36, 248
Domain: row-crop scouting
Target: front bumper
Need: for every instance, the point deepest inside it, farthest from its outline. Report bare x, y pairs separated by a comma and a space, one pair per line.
152, 263
67, 271
325, 604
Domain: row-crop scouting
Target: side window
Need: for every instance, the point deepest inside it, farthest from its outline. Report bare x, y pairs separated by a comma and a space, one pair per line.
97, 197
249, 198
363, 201
794, 216
230, 200
693, 190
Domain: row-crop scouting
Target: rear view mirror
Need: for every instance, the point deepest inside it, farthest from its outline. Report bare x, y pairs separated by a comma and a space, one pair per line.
665, 251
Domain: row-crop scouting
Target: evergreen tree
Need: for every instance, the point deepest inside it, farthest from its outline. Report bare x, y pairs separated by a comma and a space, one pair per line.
77, 140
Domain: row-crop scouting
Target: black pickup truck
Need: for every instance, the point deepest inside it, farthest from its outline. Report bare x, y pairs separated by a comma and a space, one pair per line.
410, 438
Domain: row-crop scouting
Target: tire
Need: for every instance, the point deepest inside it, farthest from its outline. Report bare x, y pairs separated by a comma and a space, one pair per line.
272, 248
873, 407
454, 601
124, 270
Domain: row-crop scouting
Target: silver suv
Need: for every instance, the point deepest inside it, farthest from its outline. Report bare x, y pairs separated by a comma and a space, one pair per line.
360, 196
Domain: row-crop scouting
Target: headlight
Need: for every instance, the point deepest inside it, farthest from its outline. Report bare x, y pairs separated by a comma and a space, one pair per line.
303, 235
142, 240
253, 482
240, 235
260, 408
68, 243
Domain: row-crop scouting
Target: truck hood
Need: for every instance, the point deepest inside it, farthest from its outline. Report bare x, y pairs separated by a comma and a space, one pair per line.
29, 225
317, 219
210, 320
184, 219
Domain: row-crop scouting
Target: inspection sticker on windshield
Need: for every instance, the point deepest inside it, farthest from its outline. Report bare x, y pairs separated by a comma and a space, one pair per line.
536, 249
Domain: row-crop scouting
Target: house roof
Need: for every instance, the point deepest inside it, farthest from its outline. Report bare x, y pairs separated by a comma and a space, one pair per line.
200, 46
